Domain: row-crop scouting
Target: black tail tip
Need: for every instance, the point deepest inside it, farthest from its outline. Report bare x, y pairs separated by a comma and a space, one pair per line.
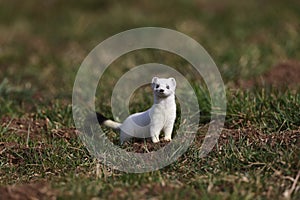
90, 117
100, 118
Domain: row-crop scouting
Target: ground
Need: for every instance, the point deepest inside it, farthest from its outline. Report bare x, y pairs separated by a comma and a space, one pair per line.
255, 47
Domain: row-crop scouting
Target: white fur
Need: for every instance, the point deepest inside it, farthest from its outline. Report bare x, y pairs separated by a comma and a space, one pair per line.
112, 124
160, 117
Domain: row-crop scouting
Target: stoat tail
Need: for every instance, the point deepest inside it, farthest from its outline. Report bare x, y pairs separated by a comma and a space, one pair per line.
107, 122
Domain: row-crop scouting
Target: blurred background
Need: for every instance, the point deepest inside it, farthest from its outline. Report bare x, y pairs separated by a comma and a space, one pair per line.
42, 43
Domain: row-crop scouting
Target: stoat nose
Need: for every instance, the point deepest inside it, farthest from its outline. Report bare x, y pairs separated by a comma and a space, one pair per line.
161, 90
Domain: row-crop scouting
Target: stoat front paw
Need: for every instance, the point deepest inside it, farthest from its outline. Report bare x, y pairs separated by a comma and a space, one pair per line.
167, 139
155, 139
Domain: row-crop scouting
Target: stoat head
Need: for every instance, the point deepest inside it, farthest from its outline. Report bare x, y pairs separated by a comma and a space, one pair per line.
163, 87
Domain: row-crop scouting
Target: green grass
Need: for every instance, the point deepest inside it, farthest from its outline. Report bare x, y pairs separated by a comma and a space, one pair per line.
267, 110
42, 46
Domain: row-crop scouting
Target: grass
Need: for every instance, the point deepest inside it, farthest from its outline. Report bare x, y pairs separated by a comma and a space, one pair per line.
42, 46
271, 111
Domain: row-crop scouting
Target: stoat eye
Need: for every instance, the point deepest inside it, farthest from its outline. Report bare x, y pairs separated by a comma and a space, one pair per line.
157, 86
168, 87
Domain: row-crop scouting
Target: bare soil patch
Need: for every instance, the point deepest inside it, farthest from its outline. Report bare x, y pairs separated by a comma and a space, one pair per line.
24, 127
28, 192
284, 75
35, 129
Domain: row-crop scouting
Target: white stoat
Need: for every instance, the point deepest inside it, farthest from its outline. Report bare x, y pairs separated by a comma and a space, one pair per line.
161, 116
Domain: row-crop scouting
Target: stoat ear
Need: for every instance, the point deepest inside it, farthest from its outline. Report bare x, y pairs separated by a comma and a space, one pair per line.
173, 82
154, 81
